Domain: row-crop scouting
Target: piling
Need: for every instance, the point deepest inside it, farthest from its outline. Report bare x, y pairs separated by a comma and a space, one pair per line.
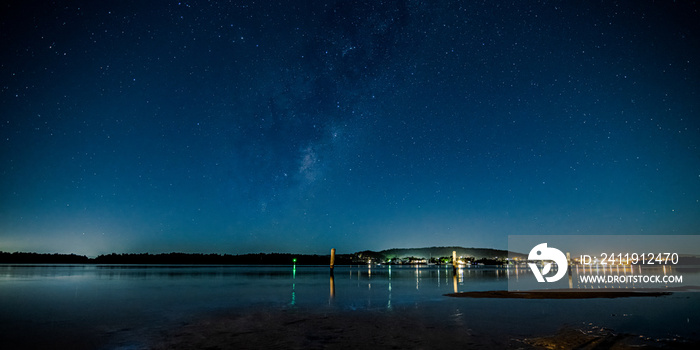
332, 259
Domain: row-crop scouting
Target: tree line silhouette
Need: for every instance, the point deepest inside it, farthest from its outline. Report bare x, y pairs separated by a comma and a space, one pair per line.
176, 258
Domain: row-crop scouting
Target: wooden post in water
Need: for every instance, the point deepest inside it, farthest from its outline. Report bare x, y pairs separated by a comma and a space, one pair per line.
332, 259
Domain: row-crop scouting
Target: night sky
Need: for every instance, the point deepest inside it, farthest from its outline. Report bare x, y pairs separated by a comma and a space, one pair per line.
290, 126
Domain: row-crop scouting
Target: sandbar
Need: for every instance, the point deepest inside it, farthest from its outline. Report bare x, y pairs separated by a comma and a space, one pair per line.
555, 294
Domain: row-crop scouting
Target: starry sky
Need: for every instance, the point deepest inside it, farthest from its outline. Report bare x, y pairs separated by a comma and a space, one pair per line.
297, 126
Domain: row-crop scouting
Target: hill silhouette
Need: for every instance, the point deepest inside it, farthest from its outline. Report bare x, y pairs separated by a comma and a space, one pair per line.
395, 254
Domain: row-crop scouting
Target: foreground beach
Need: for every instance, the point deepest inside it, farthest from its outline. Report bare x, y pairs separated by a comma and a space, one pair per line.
185, 307
399, 329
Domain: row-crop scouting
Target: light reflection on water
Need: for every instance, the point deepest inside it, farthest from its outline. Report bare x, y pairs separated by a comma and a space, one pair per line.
612, 278
94, 300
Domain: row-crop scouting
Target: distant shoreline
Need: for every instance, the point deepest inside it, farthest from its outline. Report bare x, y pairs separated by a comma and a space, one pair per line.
396, 256
284, 259
404, 256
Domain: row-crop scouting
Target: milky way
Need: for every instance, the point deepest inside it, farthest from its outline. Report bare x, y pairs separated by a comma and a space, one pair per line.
247, 126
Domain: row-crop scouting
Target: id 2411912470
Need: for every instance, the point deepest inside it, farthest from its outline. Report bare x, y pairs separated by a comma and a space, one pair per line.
630, 259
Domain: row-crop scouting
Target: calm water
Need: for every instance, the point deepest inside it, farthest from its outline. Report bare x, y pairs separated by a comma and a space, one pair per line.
89, 306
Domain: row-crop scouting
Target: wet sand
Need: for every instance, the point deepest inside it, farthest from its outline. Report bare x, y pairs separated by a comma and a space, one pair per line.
296, 329
400, 329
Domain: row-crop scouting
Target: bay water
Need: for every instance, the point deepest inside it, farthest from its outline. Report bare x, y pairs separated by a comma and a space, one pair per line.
122, 306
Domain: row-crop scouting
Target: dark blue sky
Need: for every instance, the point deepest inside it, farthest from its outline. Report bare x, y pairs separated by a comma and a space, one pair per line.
234, 127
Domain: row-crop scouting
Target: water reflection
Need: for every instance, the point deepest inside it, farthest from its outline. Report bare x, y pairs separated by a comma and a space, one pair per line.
571, 285
359, 286
385, 285
612, 277
332, 286
454, 281
388, 303
294, 285
137, 297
